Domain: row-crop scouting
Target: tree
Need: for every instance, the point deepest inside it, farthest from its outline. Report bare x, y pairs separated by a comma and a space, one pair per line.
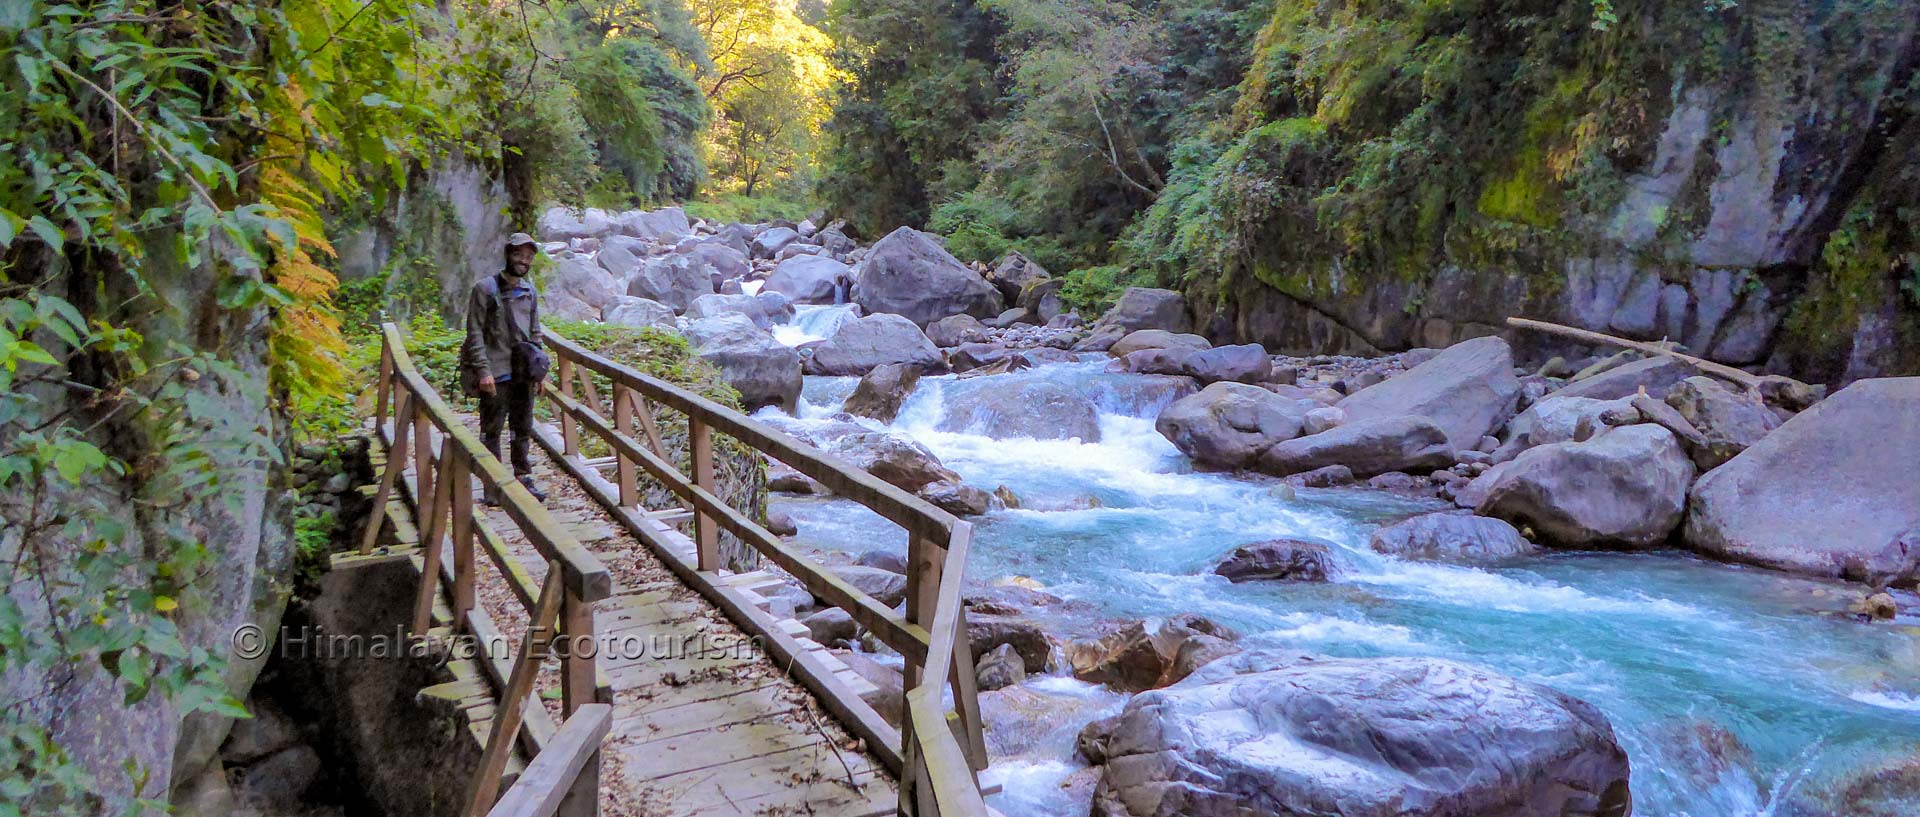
769, 78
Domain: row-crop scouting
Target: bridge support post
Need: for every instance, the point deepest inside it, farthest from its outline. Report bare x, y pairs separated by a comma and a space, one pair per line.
623, 423
460, 495
706, 535
577, 687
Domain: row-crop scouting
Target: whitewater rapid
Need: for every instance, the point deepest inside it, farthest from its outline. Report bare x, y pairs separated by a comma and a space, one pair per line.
1731, 688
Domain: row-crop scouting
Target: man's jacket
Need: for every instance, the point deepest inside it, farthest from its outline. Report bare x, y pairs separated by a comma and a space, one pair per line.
488, 348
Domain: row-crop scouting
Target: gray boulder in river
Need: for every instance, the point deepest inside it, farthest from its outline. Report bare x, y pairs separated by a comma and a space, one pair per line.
764, 371
1834, 492
1368, 447
674, 280
1626, 487
1451, 536
1141, 339
627, 310
808, 279
861, 344
1146, 308
1277, 733
882, 391
1227, 425
1034, 409
1468, 390
764, 309
1729, 422
908, 273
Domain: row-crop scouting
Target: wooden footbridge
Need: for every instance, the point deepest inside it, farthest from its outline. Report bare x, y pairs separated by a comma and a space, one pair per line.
740, 713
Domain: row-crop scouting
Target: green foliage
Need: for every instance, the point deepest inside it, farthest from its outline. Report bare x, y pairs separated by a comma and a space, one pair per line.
744, 209
915, 109
1094, 290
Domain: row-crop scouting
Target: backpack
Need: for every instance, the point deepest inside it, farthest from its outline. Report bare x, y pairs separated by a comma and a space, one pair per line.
530, 360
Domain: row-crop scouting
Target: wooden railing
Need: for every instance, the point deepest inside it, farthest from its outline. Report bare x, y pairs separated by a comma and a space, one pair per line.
410, 418
937, 755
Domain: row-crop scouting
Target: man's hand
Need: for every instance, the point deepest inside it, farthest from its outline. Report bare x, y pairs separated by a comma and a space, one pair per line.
486, 384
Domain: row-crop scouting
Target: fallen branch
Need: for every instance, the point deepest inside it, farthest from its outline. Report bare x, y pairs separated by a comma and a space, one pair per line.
1747, 380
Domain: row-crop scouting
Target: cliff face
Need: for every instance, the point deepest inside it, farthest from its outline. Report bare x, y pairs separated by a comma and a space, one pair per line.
1740, 180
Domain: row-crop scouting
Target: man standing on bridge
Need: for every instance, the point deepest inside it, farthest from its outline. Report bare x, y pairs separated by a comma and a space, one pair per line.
501, 361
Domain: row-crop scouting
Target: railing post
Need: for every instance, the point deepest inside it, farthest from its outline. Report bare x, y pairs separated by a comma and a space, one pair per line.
706, 534
966, 695
396, 462
507, 716
623, 423
577, 687
431, 530
924, 558
460, 492
569, 435
423, 456
383, 384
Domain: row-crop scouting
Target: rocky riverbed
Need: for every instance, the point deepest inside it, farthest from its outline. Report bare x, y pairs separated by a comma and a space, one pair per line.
1213, 579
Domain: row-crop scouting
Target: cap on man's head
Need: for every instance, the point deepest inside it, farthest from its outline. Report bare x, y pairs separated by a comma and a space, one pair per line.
520, 240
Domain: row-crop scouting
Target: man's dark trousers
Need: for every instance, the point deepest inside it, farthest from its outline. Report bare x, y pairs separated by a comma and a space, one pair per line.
510, 404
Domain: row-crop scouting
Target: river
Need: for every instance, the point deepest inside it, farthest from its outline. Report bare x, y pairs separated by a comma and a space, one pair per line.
1732, 689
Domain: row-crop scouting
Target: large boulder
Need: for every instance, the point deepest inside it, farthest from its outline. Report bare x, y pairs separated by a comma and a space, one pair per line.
1296, 560
885, 586
1279, 733
1013, 272
1144, 308
1140, 339
622, 255
1729, 422
674, 280
882, 391
1554, 420
1144, 655
721, 261
765, 309
895, 459
1035, 409
667, 224
1451, 536
1040, 302
765, 371
564, 305
1246, 363
1227, 425
773, 240
1626, 488
1656, 374
586, 281
956, 330
863, 343
908, 273
1468, 390
1367, 447
808, 279
1834, 492
564, 224
639, 313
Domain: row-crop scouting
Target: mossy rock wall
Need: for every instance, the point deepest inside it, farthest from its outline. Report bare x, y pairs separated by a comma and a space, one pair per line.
1741, 179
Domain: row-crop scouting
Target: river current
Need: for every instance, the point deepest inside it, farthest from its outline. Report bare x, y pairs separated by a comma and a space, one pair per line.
1734, 690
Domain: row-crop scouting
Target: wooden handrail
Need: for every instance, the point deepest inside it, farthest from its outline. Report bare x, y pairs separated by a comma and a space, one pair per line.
937, 767
442, 486
585, 576
889, 626
918, 516
548, 778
